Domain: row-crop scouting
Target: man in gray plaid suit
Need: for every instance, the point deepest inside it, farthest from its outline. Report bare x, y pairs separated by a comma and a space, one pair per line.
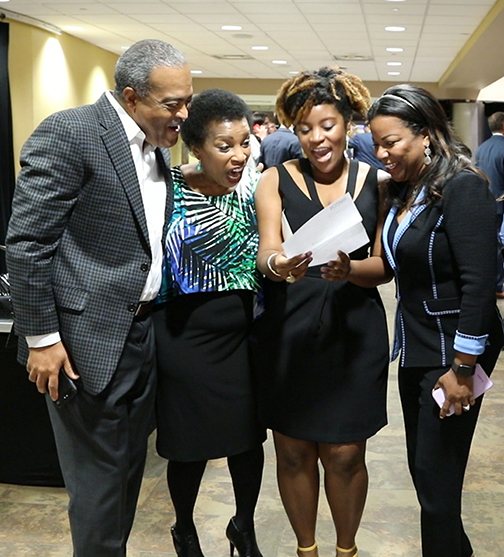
84, 252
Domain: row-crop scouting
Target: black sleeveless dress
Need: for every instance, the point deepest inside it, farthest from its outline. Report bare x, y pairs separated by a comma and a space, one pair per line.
320, 349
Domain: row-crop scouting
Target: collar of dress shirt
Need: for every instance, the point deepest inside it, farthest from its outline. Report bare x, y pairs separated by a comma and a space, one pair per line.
133, 132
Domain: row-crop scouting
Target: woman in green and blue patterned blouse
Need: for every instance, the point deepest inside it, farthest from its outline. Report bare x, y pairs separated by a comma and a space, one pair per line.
206, 405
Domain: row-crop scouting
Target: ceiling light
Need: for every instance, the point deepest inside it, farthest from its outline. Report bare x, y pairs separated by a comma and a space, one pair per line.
279, 61
294, 73
394, 49
260, 47
394, 73
395, 29
394, 63
196, 71
124, 47
231, 27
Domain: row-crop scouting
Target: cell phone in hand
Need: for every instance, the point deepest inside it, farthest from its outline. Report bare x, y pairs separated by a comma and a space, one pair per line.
67, 389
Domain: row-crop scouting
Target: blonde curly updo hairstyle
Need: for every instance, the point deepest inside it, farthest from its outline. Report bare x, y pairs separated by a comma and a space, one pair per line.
328, 85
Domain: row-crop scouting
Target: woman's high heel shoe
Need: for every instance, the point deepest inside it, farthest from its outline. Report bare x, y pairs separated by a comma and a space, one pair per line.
244, 541
186, 545
351, 550
307, 549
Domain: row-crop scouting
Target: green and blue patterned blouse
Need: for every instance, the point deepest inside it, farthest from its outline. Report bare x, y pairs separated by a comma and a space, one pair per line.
211, 242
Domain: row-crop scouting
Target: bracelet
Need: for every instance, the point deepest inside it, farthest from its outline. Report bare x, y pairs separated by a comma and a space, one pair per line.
270, 267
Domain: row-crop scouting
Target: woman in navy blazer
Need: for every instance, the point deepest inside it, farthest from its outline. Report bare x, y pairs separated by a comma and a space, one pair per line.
439, 238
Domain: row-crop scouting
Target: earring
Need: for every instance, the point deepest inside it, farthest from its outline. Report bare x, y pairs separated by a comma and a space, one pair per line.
427, 153
199, 168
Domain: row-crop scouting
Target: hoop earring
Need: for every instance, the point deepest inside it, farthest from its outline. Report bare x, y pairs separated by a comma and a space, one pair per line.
427, 153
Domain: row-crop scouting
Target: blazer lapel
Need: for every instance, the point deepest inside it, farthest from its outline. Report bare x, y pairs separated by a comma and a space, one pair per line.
163, 160
117, 145
405, 223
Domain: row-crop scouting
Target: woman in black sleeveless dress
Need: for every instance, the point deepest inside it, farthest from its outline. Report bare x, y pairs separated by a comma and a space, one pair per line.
321, 347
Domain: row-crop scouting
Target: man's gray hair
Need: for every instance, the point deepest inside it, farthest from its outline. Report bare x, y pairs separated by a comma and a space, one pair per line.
496, 121
135, 66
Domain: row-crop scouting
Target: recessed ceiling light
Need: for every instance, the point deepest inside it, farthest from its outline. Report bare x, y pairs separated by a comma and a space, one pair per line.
231, 27
394, 73
124, 47
196, 71
294, 73
395, 29
279, 61
394, 63
394, 49
260, 47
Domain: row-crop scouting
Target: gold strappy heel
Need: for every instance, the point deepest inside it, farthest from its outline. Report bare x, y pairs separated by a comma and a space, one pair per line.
307, 549
354, 548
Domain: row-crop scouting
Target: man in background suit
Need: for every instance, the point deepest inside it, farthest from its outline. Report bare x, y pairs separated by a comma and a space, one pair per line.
490, 160
280, 146
84, 251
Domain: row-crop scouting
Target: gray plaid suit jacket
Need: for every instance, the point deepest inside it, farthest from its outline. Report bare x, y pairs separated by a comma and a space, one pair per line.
78, 251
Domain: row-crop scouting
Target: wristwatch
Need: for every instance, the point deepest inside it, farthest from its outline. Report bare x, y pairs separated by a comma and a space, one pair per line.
463, 370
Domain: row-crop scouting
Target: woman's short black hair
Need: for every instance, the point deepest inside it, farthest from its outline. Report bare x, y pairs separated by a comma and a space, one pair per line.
212, 106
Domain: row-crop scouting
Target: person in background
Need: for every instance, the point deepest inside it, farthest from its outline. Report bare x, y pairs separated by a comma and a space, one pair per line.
320, 350
84, 253
279, 147
205, 403
490, 160
439, 237
361, 144
260, 123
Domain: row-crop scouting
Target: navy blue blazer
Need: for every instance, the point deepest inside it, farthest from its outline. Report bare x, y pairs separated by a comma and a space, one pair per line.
444, 258
490, 160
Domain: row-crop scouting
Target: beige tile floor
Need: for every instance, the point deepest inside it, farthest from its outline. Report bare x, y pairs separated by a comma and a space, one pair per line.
33, 520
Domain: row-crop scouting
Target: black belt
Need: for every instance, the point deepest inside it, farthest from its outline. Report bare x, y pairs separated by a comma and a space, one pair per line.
144, 308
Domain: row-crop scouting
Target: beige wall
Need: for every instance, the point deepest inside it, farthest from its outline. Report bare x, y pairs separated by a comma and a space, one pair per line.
51, 72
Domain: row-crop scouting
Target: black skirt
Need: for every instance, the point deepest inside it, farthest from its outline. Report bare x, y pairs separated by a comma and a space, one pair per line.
205, 401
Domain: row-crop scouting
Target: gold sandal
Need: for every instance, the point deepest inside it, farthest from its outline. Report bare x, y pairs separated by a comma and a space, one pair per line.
354, 548
307, 549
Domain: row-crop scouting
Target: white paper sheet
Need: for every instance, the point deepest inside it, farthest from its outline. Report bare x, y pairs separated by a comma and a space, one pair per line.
337, 227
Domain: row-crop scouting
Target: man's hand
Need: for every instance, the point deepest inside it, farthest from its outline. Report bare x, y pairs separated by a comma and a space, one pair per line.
43, 367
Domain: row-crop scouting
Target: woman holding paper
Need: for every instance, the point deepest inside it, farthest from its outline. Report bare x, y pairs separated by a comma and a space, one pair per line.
439, 238
321, 348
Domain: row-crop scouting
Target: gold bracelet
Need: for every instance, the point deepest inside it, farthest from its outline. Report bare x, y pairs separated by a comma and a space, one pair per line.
270, 267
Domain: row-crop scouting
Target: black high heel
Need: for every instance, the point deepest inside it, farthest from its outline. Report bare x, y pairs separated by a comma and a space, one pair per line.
244, 541
186, 545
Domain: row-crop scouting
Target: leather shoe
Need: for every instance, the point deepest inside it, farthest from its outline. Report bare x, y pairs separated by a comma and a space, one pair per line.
186, 545
244, 541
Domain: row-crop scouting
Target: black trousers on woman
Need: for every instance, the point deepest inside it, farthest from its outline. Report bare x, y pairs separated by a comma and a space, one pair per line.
438, 451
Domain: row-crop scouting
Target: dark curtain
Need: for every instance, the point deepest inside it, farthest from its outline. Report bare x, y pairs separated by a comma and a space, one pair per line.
7, 179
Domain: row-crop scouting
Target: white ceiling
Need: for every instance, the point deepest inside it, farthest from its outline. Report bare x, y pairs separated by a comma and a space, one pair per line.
306, 34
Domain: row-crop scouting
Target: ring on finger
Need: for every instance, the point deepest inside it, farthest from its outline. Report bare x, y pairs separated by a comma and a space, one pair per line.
466, 408
290, 278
